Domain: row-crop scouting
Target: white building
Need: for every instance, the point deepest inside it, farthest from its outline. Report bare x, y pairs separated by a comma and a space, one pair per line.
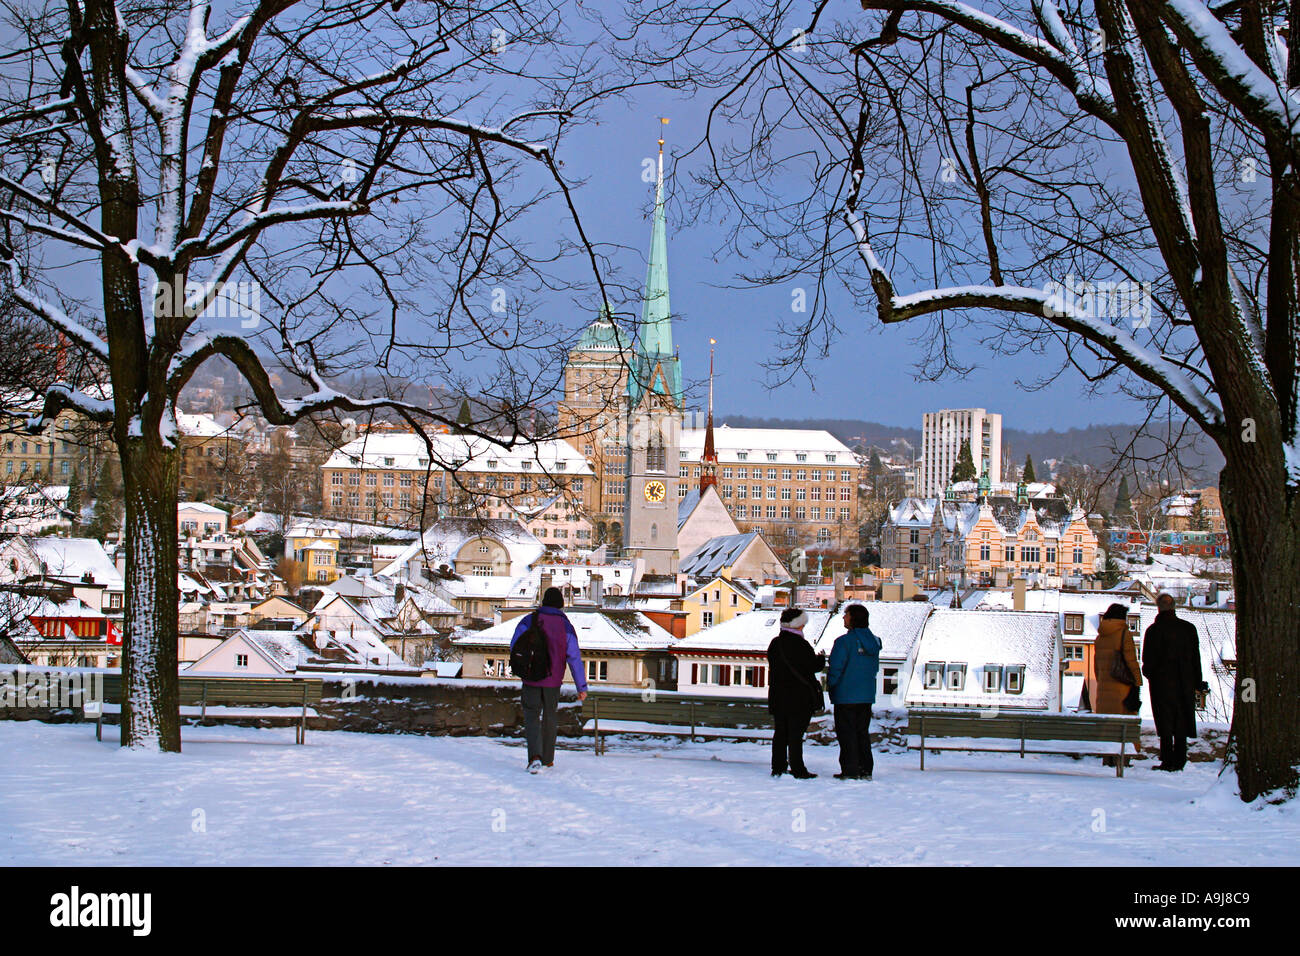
942, 435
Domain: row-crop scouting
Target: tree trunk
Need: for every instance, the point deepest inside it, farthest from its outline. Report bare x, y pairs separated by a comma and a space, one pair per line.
150, 681
1265, 537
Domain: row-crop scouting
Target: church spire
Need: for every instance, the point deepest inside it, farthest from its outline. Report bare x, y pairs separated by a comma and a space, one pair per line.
709, 463
657, 368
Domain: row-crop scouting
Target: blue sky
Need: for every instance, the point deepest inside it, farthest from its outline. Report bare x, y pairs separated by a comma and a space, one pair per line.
870, 372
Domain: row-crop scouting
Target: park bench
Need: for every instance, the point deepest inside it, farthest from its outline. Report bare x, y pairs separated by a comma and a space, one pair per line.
670, 714
214, 699
1035, 733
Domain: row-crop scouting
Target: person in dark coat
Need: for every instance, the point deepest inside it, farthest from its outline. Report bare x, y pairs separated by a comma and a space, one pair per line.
1171, 661
793, 693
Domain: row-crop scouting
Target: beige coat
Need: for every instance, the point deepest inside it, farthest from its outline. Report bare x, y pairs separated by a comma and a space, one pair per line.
1106, 693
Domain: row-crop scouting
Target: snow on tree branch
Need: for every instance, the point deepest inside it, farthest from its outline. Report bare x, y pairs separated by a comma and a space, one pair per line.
1118, 343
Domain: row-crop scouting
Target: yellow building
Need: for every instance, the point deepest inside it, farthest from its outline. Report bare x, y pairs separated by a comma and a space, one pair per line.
717, 601
316, 549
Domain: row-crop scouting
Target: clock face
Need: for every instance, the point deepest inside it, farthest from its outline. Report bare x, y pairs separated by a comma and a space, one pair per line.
655, 491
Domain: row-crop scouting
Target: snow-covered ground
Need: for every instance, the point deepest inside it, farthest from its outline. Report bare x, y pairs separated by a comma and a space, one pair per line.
244, 796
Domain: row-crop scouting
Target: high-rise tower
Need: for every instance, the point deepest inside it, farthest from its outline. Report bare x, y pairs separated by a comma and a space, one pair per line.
654, 401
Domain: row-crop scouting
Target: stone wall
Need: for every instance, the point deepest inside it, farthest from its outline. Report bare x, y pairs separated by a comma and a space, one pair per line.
452, 707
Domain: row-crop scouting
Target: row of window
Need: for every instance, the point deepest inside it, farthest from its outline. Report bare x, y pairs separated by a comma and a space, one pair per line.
787, 474
998, 678
771, 512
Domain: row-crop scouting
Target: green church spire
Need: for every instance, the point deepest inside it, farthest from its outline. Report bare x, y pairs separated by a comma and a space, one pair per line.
656, 367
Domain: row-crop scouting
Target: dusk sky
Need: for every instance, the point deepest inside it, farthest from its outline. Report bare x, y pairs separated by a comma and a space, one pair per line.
870, 373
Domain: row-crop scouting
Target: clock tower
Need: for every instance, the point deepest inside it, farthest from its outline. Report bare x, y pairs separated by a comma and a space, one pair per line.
654, 402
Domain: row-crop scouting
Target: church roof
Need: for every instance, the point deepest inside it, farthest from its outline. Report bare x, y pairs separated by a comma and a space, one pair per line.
605, 335
655, 368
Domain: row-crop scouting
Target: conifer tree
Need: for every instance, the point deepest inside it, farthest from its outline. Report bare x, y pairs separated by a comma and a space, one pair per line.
964, 470
1028, 475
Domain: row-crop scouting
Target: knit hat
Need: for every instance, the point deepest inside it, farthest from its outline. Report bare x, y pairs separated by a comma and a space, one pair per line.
794, 618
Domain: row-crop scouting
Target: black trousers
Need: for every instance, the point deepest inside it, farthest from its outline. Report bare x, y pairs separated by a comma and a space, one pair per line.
1173, 750
787, 740
853, 730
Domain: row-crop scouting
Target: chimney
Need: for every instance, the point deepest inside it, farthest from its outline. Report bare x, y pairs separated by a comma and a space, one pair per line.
399, 594
542, 585
1018, 586
596, 589
909, 585
839, 589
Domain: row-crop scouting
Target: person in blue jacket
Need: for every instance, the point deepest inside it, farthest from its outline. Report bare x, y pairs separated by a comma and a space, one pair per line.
851, 679
542, 698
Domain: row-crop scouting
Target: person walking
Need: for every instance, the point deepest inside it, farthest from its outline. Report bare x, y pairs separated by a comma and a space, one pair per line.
1114, 680
851, 680
793, 693
541, 698
1171, 661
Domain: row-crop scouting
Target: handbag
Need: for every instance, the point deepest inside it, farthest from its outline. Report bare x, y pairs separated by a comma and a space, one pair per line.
1119, 669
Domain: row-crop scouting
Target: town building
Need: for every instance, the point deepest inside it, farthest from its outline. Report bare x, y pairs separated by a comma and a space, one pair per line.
398, 479
797, 486
942, 435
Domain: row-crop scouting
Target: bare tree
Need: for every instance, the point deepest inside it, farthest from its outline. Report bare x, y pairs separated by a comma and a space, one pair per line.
1113, 183
355, 180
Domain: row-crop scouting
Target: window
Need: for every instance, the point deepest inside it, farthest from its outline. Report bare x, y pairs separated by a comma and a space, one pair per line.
771, 492
800, 456
735, 599
889, 681
785, 474
706, 618
816, 474
845, 476
742, 472
597, 670
956, 676
1078, 555
785, 511
1010, 554
984, 552
801, 474
1132, 623
1074, 624
992, 678
785, 494
1015, 678
1074, 652
742, 456
934, 676
771, 456
771, 511
241, 660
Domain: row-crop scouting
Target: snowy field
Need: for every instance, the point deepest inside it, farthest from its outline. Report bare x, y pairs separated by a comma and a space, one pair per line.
245, 796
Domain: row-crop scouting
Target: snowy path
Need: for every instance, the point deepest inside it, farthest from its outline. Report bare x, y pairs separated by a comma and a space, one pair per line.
361, 799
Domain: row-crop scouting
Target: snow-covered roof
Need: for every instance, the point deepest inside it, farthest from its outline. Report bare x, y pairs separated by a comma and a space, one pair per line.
787, 444
198, 426
750, 633
898, 624
1091, 605
73, 557
708, 560
407, 451
264, 522
597, 630
981, 639
199, 506
446, 537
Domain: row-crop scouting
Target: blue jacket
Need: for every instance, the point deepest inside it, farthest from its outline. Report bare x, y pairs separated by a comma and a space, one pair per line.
561, 641
855, 660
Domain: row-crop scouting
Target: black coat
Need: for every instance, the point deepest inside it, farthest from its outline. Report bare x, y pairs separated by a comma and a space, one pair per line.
792, 684
1171, 663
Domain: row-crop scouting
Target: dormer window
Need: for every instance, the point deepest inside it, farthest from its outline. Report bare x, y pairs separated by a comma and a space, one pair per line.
801, 456
771, 456
956, 675
526, 466
1015, 679
492, 463
934, 675
992, 678
830, 458
742, 455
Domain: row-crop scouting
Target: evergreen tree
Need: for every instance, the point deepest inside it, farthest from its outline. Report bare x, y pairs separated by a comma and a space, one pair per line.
1111, 574
464, 419
74, 501
874, 470
106, 515
1123, 500
1027, 476
964, 470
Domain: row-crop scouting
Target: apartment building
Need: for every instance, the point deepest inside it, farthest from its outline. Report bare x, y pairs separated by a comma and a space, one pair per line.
942, 435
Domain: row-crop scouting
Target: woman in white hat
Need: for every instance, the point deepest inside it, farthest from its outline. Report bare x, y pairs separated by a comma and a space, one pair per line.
793, 693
